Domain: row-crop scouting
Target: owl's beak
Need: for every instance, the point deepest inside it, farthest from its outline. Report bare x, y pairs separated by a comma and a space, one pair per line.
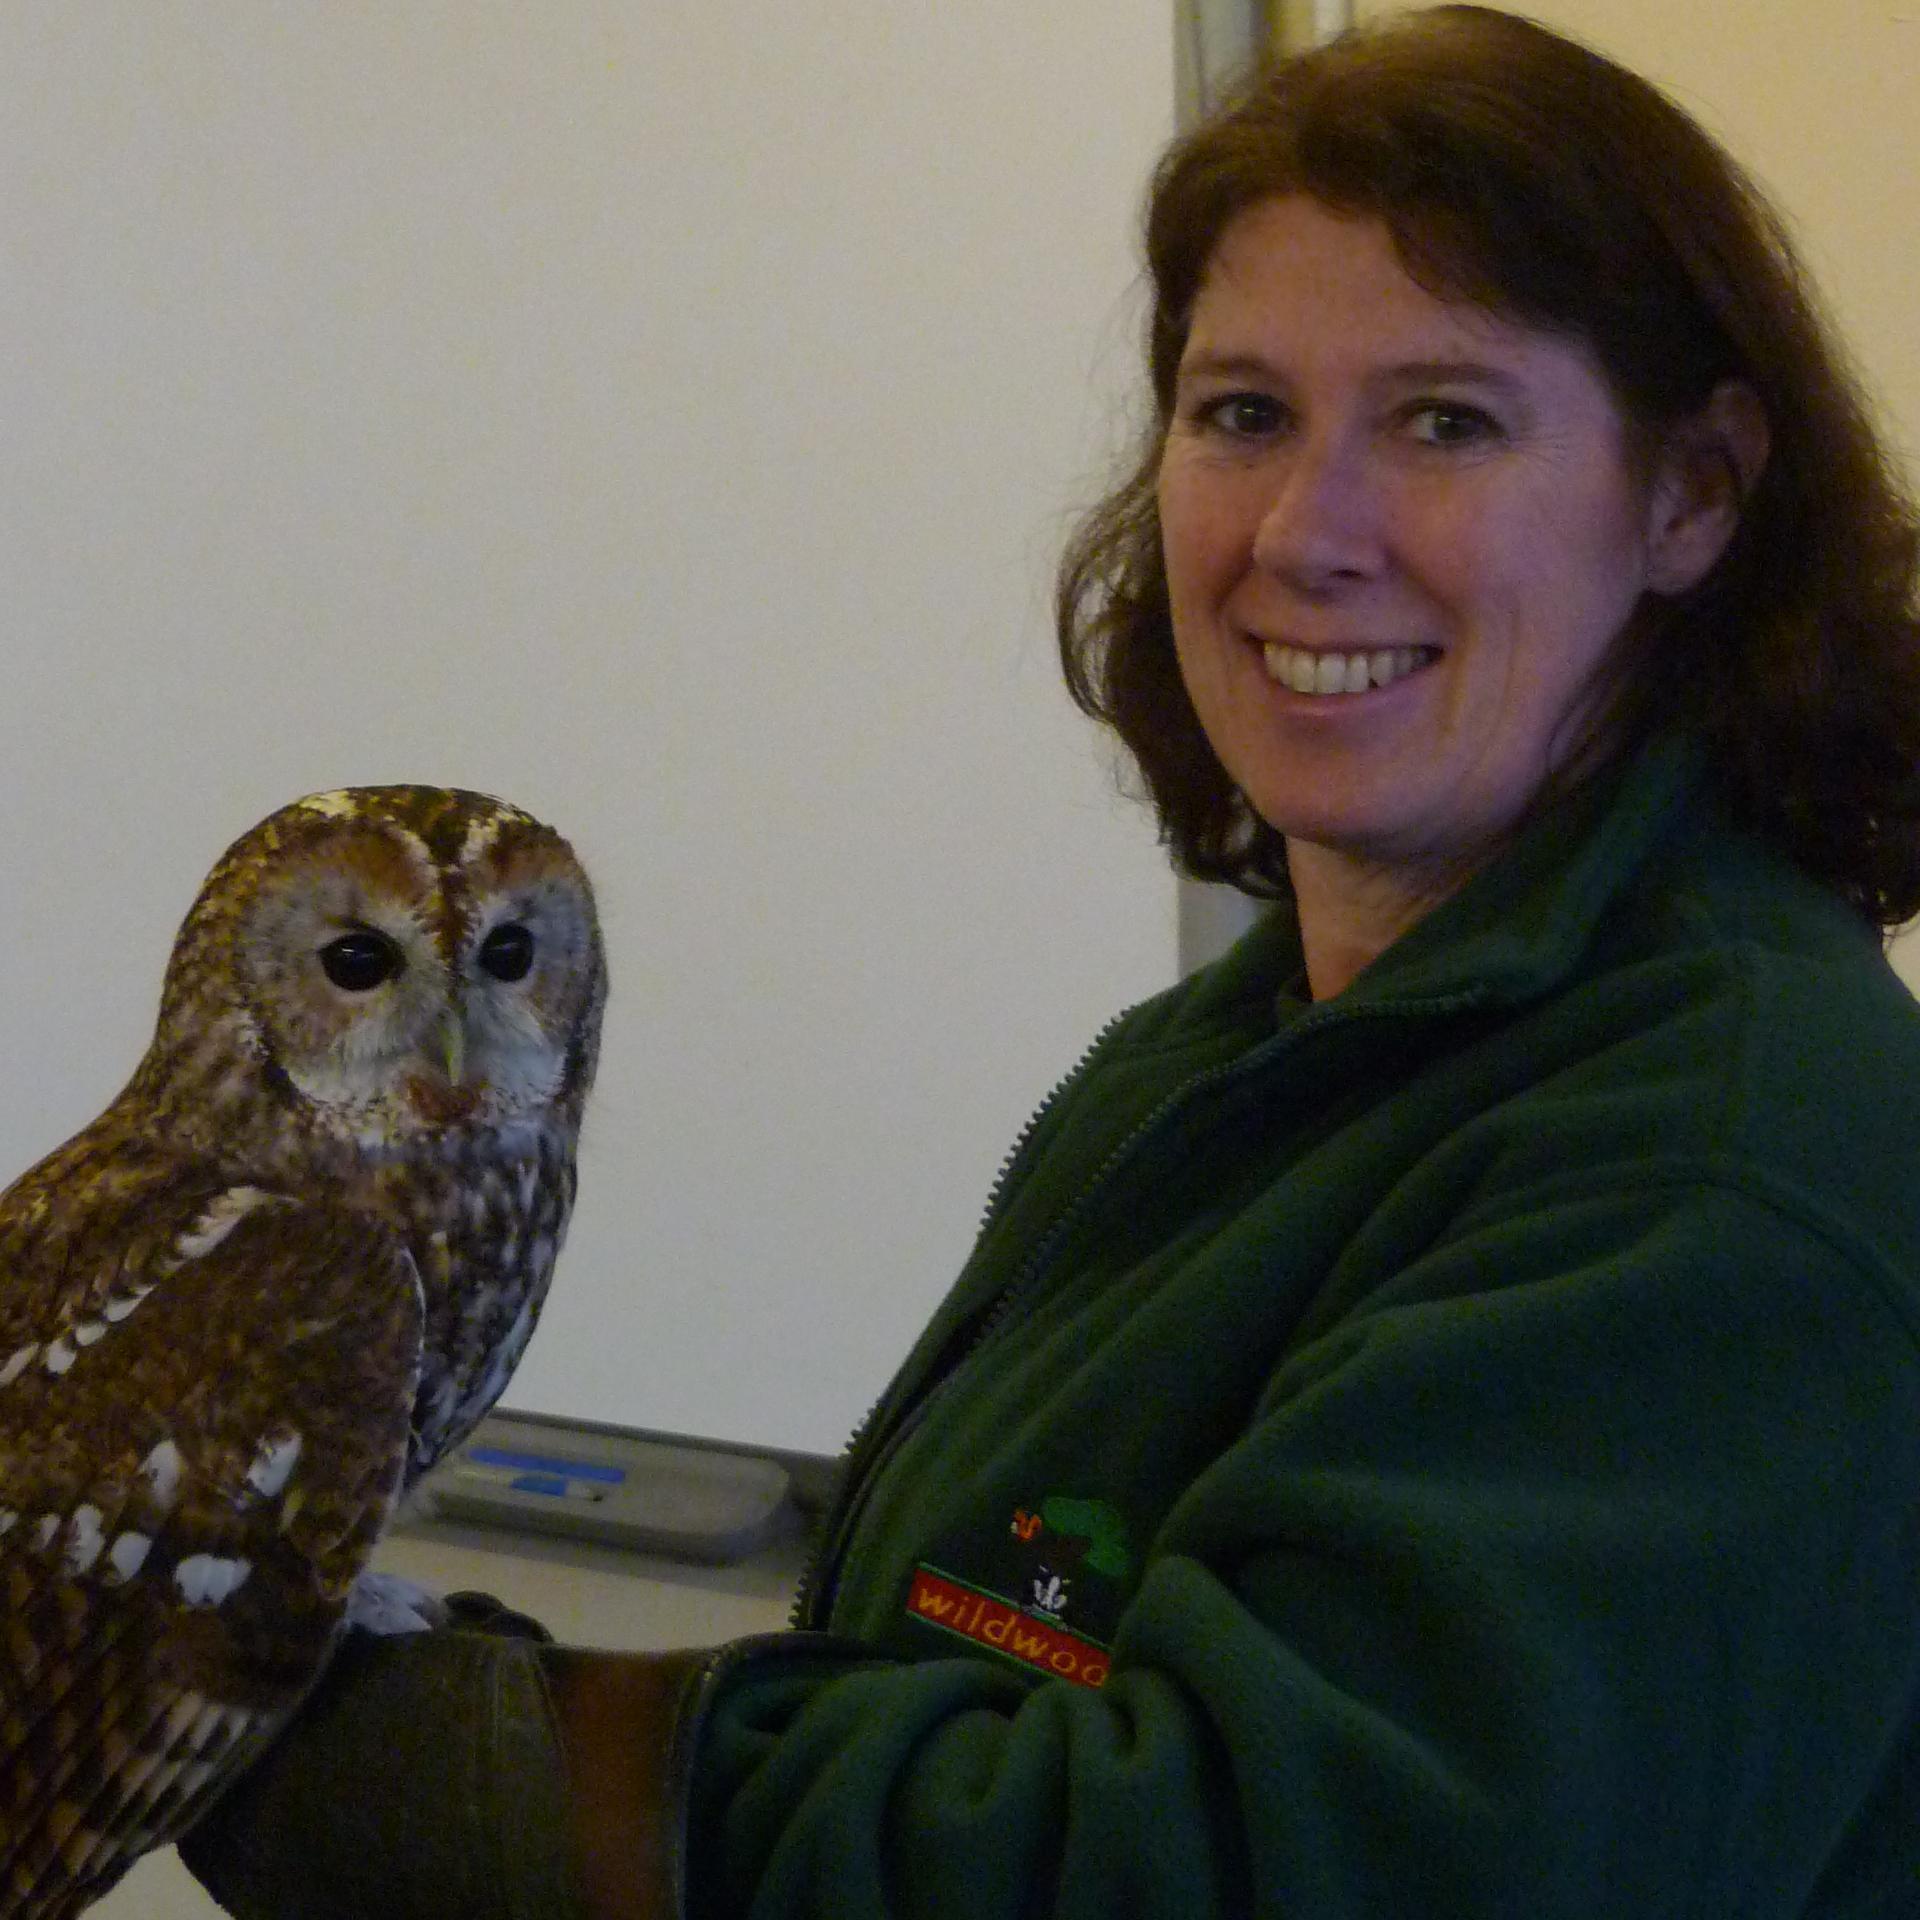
438, 1094
447, 1047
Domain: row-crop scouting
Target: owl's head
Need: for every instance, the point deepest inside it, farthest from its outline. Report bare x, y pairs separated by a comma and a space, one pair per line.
388, 962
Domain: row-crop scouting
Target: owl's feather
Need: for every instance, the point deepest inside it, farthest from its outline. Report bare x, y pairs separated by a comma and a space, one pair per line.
242, 1311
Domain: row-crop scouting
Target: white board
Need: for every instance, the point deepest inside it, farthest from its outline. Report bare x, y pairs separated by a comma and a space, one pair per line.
664, 415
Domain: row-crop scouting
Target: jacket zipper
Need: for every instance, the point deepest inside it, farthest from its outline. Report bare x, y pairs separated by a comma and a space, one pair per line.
855, 1469
874, 1443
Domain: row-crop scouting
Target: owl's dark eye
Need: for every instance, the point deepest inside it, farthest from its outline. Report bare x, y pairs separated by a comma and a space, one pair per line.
507, 952
359, 962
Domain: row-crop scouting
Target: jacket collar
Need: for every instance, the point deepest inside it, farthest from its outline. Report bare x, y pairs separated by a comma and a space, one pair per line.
1519, 927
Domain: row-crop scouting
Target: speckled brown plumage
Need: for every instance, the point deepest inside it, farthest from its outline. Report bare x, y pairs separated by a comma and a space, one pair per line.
281, 1275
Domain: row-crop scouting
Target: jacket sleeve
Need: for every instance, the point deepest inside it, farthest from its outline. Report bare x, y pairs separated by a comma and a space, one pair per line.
1576, 1572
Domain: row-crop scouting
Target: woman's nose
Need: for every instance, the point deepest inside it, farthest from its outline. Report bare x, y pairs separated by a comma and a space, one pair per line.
1321, 523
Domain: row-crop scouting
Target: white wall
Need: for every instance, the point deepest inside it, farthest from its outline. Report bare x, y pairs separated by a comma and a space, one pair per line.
664, 415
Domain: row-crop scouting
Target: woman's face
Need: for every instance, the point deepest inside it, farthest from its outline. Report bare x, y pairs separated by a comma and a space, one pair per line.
1400, 535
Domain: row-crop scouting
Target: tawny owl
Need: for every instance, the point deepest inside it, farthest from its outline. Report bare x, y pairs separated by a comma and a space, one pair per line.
286, 1270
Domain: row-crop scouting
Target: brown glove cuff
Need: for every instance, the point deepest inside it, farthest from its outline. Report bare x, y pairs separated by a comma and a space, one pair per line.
620, 1718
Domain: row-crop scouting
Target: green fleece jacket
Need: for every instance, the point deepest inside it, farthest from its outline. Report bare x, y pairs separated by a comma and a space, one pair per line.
1451, 1450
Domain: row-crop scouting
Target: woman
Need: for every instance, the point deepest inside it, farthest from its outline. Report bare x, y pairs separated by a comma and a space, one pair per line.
1432, 1420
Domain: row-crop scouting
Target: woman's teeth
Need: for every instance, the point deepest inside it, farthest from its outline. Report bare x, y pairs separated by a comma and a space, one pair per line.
1315, 671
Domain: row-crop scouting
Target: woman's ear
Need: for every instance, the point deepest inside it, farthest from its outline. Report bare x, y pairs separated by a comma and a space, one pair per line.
1707, 469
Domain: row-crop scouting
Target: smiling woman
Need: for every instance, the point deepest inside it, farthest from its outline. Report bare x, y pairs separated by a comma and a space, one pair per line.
1558, 283
1401, 535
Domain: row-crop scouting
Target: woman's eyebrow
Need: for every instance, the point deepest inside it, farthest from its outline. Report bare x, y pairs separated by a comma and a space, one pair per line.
1474, 373
1227, 366
1253, 366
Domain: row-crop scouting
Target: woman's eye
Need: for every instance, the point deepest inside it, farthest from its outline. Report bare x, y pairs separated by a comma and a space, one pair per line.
358, 962
1242, 416
1451, 423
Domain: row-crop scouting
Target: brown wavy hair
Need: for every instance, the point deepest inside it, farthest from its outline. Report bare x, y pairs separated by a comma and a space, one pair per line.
1522, 171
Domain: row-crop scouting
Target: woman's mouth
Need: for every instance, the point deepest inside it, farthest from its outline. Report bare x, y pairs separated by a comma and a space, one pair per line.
1321, 670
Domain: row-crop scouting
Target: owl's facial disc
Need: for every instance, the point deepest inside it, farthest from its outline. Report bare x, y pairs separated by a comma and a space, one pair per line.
399, 997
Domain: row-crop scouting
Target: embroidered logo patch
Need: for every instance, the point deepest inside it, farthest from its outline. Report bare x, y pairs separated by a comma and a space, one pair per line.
1063, 1560
989, 1621
1064, 1537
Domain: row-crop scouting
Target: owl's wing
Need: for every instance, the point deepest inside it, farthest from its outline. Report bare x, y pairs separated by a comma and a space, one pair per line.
205, 1397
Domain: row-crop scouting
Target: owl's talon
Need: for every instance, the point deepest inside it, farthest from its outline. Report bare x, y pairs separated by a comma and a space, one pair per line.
387, 1603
